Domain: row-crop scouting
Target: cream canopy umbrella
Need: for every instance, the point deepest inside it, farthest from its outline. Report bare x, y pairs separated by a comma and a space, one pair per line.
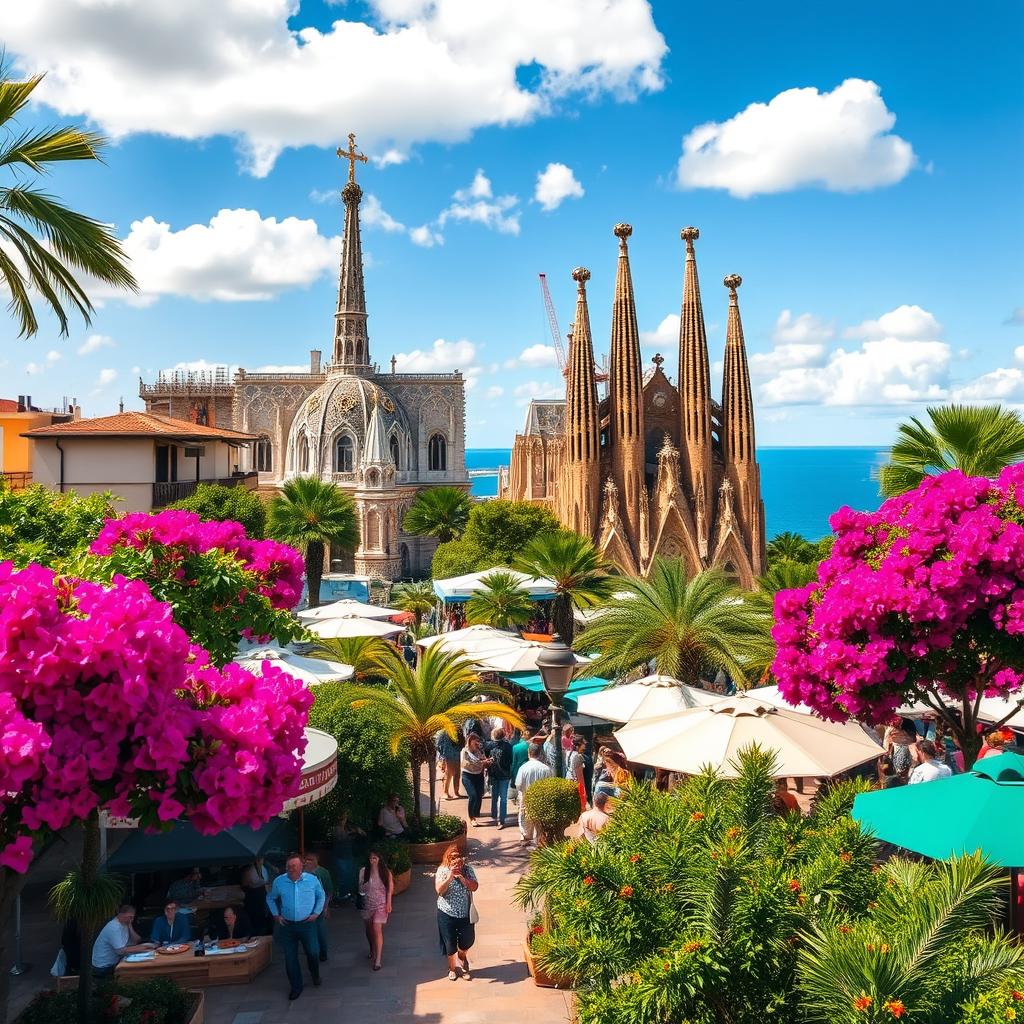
347, 608
312, 671
472, 639
650, 697
353, 625
804, 745
517, 657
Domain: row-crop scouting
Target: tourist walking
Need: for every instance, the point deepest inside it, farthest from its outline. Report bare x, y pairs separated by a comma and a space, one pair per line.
499, 774
376, 887
536, 768
455, 883
448, 752
343, 853
312, 865
474, 763
520, 752
295, 902
932, 767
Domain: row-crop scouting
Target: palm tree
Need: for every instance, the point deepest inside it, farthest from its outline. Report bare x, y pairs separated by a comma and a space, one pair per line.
581, 576
790, 546
438, 694
782, 574
42, 241
368, 655
503, 603
440, 512
684, 627
979, 440
312, 515
417, 598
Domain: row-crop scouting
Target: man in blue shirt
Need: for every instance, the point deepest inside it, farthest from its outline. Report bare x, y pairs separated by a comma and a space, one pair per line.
171, 927
295, 902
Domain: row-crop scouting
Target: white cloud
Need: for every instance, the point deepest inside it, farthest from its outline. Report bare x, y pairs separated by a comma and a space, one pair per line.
52, 357
664, 337
838, 140
494, 391
325, 195
524, 393
425, 236
238, 257
373, 215
106, 377
902, 359
534, 356
1016, 317
804, 329
94, 343
443, 357
555, 184
423, 71
1005, 384
477, 204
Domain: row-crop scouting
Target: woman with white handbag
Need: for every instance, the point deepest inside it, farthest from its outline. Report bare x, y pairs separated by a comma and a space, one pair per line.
457, 915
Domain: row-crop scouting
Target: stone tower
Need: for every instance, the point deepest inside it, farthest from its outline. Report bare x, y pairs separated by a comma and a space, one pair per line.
695, 396
738, 430
626, 406
351, 341
581, 499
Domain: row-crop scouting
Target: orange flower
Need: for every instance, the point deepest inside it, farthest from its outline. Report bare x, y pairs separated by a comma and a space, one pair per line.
1017, 996
794, 885
667, 887
626, 891
634, 858
869, 946
884, 947
588, 879
732, 833
666, 966
697, 816
846, 857
845, 929
692, 947
1010, 1014
895, 1007
862, 1002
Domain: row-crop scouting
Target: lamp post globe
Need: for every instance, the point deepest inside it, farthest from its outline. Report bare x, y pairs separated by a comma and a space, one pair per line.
556, 664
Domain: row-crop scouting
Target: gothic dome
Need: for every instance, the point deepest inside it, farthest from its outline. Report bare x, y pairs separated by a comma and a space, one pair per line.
329, 432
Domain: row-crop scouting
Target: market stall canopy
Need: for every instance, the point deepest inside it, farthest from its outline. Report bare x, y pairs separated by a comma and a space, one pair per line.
577, 688
184, 847
319, 769
462, 588
345, 608
493, 650
472, 639
978, 810
312, 671
650, 697
714, 734
352, 625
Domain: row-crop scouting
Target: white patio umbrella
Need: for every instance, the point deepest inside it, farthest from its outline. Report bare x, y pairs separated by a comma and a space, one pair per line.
312, 671
714, 734
353, 625
518, 657
472, 638
771, 695
650, 697
347, 607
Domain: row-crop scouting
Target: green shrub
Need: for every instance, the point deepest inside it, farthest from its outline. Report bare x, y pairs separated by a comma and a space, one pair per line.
443, 828
396, 855
156, 1001
368, 772
220, 503
456, 558
553, 804
38, 525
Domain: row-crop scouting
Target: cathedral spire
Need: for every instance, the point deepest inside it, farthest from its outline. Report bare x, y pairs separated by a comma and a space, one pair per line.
738, 428
625, 396
582, 440
695, 392
351, 343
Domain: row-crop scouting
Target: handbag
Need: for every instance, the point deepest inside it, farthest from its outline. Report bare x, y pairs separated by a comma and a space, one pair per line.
474, 914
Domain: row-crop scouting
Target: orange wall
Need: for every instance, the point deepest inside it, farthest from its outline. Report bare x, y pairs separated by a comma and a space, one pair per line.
16, 455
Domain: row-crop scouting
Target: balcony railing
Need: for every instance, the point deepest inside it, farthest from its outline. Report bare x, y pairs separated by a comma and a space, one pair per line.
165, 493
15, 481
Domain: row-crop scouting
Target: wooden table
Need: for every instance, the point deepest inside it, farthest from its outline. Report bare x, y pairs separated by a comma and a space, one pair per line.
216, 898
189, 970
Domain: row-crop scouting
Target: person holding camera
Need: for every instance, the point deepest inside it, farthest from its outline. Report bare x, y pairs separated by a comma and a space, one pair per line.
455, 883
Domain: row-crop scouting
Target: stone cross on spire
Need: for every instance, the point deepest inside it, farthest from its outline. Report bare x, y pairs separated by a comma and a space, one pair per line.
351, 155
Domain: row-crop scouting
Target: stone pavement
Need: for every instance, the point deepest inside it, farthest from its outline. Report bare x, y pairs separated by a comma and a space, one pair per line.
413, 987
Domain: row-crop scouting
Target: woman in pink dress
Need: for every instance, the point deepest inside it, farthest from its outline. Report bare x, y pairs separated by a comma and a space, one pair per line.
376, 886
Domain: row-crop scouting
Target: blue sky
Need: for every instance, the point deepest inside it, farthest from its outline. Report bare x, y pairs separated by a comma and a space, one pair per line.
860, 168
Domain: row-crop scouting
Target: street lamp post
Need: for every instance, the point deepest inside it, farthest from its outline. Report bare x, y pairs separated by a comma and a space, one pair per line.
556, 664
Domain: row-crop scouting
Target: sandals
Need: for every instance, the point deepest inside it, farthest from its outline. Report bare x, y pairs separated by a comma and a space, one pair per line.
452, 976
465, 968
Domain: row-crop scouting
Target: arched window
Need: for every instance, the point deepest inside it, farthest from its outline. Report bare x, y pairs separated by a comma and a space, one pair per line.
437, 452
264, 455
303, 453
372, 479
393, 445
344, 454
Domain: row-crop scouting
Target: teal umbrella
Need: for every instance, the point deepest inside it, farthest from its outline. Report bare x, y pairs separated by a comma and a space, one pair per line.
532, 681
980, 810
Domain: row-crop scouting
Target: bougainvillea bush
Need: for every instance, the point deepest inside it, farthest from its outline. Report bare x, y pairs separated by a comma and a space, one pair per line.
221, 584
922, 600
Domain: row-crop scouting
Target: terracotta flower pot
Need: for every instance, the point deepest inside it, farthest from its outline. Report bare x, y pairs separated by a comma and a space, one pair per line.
540, 977
431, 853
403, 881
199, 1010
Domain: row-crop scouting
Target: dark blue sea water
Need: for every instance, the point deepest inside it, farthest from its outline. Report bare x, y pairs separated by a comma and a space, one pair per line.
802, 487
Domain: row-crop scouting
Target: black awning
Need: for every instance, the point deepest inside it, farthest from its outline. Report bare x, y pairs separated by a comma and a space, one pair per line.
184, 847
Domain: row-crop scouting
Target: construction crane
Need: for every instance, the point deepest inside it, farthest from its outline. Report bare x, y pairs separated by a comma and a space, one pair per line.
601, 372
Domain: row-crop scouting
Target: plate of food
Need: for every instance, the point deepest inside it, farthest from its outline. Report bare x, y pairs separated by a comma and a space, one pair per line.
138, 958
173, 948
228, 943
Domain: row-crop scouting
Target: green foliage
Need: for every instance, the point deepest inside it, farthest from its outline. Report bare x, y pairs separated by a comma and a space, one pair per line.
979, 440
395, 854
45, 242
790, 547
440, 512
440, 830
417, 598
369, 771
502, 602
782, 574
689, 628
368, 655
39, 525
690, 905
496, 534
220, 503
554, 804
581, 576
156, 1001
312, 515
90, 903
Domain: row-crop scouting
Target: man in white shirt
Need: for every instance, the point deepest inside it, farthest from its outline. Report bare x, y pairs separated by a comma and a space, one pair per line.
932, 768
116, 940
531, 772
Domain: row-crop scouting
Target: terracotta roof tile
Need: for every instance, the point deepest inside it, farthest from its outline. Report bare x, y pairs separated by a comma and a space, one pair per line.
138, 424
8, 405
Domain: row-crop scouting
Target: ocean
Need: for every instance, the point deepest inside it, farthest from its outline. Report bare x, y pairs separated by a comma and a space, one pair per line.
801, 487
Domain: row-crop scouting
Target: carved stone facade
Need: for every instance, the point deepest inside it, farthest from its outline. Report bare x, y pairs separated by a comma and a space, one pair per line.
652, 468
382, 437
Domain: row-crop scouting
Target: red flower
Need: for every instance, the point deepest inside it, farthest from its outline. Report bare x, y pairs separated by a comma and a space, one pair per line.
794, 885
895, 1007
697, 816
537, 929
862, 1002
846, 857
634, 858
588, 879
845, 929
626, 891
666, 966
1018, 996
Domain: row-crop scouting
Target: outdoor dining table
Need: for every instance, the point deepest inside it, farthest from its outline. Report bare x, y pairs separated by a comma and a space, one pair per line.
216, 897
237, 966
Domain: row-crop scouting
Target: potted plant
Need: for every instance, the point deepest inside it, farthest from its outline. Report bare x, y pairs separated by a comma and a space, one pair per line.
553, 804
431, 838
538, 939
396, 856
154, 1001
